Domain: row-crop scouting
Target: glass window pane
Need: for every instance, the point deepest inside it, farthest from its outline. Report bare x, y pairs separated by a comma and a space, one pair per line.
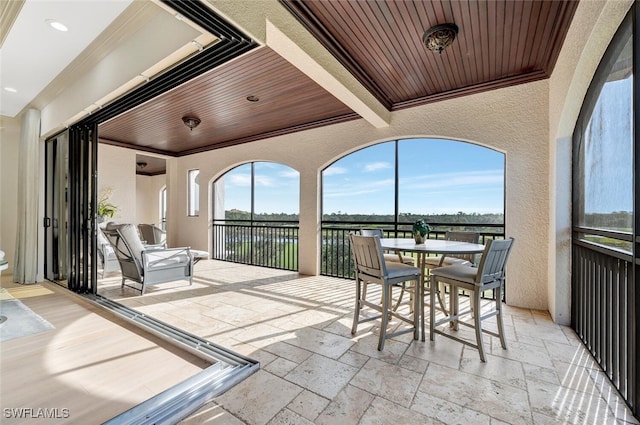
194, 192
445, 179
233, 194
163, 208
606, 177
361, 184
277, 190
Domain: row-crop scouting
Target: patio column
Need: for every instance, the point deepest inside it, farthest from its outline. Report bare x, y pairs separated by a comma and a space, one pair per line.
309, 234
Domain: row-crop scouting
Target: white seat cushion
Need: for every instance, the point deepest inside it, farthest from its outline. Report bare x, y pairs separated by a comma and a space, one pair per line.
398, 269
129, 233
432, 262
462, 273
396, 259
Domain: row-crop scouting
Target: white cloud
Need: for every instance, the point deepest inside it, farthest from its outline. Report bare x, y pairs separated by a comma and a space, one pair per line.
289, 174
357, 188
455, 179
332, 171
375, 166
238, 179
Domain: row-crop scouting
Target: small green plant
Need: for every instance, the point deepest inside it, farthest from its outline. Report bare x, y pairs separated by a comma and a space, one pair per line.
106, 208
421, 228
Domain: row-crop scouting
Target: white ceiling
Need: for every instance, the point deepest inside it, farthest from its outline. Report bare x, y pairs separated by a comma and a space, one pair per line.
33, 53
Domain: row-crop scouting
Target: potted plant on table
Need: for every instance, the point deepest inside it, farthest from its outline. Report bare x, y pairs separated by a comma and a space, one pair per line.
420, 231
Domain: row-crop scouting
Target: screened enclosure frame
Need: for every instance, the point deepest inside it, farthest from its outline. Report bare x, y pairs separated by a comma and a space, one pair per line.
605, 261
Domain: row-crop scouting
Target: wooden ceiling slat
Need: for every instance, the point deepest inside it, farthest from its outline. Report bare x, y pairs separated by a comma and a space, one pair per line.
420, 22
492, 27
483, 22
396, 66
521, 35
404, 20
509, 10
460, 56
526, 59
470, 39
353, 30
545, 29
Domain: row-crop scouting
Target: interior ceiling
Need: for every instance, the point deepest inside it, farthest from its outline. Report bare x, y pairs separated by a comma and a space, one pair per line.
31, 42
500, 43
150, 165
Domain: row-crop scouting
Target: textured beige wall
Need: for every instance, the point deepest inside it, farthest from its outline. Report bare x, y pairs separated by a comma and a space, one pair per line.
148, 198
117, 170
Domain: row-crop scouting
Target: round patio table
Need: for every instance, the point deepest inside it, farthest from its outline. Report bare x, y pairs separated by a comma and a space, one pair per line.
430, 246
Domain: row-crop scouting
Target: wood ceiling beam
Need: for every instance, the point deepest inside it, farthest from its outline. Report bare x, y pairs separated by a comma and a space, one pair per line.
370, 109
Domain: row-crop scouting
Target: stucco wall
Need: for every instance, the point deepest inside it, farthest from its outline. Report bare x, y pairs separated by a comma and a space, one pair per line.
512, 120
148, 198
117, 170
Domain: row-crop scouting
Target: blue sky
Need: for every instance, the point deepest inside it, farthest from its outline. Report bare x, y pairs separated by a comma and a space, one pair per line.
435, 176
608, 166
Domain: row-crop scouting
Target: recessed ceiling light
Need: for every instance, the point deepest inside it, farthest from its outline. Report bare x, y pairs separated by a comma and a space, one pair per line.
57, 25
11, 90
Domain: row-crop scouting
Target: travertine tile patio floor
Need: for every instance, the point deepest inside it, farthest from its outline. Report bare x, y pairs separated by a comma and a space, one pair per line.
313, 371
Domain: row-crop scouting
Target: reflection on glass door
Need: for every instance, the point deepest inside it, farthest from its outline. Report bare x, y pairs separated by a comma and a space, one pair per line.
56, 204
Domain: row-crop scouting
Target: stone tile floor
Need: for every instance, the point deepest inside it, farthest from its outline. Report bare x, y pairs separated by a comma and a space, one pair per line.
313, 371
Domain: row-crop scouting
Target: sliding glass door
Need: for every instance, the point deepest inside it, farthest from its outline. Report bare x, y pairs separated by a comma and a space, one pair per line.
70, 222
56, 219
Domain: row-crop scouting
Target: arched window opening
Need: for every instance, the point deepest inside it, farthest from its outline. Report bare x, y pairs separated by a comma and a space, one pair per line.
606, 195
450, 184
256, 215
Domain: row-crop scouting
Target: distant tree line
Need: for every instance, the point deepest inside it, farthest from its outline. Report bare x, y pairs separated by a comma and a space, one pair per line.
460, 217
621, 220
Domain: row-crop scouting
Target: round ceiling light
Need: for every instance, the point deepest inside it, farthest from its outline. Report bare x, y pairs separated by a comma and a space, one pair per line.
56, 25
440, 37
191, 122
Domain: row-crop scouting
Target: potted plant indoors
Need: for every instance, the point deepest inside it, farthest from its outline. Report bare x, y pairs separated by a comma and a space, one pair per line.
420, 231
105, 208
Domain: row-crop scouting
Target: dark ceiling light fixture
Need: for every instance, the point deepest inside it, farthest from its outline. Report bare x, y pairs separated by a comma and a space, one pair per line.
141, 165
191, 122
439, 37
253, 98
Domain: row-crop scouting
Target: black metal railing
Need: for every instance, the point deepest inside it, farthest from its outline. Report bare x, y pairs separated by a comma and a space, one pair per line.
271, 244
274, 244
336, 259
602, 305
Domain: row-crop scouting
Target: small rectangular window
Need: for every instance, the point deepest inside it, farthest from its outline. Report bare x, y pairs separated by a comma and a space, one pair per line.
194, 193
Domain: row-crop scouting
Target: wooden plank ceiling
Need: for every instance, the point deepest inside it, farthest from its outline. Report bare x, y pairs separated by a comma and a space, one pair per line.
499, 43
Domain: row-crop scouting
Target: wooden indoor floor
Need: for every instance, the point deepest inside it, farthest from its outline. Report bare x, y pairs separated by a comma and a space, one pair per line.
89, 368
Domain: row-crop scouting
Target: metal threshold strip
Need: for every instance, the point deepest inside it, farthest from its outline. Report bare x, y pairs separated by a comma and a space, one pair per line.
181, 400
